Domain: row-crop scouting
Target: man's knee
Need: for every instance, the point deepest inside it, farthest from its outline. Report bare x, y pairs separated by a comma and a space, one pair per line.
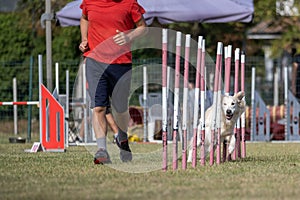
99, 110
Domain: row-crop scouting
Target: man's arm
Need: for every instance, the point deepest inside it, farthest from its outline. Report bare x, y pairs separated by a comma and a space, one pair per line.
121, 38
84, 23
141, 28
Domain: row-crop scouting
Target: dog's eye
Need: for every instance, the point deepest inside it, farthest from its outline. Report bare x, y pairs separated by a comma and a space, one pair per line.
225, 104
232, 103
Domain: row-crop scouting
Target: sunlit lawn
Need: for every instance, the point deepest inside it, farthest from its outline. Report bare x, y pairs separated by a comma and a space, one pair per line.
270, 171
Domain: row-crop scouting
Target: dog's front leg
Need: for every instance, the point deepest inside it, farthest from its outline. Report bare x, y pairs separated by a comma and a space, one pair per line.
190, 156
231, 144
191, 146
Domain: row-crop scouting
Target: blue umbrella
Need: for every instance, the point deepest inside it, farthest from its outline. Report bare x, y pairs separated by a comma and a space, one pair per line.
170, 11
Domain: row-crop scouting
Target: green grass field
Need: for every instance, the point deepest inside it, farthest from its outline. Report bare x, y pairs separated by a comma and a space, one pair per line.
270, 171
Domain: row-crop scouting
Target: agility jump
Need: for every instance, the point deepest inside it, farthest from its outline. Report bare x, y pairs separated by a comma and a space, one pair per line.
53, 117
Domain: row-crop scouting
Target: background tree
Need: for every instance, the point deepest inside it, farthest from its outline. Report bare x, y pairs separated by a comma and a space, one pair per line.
290, 26
22, 36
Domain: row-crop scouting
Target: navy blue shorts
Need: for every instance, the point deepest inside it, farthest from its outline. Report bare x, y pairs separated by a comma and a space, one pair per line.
108, 82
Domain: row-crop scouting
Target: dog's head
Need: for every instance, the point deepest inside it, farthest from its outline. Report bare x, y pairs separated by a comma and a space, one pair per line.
233, 105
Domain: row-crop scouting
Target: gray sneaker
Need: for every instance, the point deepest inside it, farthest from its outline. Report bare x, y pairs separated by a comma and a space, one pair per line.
102, 157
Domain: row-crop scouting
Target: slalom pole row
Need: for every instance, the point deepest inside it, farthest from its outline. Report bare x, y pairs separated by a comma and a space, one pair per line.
200, 95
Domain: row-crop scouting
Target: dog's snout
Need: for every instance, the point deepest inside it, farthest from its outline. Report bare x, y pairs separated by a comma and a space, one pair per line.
228, 112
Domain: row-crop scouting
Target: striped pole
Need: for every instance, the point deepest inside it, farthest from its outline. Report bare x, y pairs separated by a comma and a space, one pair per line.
185, 99
237, 133
11, 103
164, 99
227, 56
218, 115
227, 53
196, 103
176, 100
243, 116
215, 102
202, 106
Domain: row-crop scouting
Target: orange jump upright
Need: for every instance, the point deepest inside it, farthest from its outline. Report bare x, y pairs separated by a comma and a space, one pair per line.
53, 138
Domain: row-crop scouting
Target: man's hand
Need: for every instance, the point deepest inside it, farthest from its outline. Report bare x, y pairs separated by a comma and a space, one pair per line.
84, 46
121, 38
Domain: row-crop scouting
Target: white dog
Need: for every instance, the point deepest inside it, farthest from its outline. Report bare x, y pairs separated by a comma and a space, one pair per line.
231, 109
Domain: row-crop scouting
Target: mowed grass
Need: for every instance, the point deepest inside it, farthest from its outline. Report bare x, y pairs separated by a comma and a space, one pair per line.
270, 171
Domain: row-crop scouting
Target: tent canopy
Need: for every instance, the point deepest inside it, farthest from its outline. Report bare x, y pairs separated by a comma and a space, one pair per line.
170, 11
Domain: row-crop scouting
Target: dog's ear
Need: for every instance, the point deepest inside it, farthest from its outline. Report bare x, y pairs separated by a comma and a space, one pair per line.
240, 95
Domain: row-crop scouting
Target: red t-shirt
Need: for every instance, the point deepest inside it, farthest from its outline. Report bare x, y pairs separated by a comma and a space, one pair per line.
105, 17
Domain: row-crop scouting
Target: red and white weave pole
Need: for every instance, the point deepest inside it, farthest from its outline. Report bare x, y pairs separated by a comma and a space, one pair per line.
243, 116
19, 103
202, 106
176, 100
226, 80
237, 134
227, 54
196, 103
218, 115
215, 101
164, 99
185, 99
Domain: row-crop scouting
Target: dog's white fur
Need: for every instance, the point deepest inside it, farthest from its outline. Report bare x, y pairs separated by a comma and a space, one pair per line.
231, 109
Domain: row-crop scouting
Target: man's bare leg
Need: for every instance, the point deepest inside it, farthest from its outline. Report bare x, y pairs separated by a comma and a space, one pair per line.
110, 122
99, 122
122, 120
100, 128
